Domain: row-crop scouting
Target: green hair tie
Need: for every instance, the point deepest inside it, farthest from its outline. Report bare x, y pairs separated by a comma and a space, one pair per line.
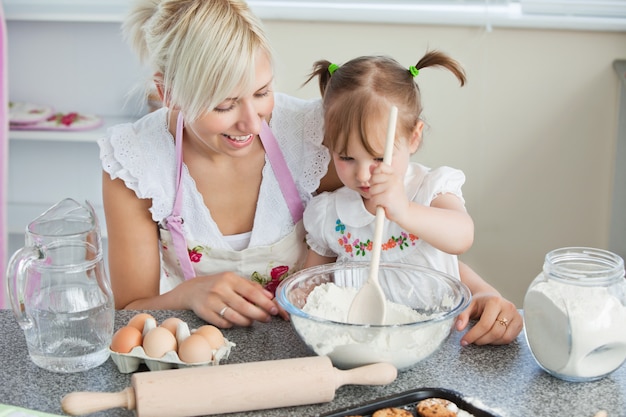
414, 71
332, 68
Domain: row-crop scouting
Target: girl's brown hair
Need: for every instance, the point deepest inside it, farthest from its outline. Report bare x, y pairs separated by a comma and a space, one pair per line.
358, 93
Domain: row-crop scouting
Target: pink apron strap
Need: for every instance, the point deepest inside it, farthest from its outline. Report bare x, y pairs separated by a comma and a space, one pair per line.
287, 185
174, 222
283, 175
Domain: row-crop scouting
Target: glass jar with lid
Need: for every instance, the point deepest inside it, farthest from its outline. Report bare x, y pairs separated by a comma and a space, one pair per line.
575, 314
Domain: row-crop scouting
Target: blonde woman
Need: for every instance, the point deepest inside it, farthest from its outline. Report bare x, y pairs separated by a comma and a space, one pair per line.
204, 197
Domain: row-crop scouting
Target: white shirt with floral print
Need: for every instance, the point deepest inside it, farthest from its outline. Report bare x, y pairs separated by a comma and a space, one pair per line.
338, 224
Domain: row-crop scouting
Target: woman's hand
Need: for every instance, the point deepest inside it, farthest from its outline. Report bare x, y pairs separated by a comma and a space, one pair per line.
498, 323
227, 299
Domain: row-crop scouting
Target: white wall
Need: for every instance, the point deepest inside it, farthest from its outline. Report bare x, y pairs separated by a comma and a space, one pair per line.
534, 129
71, 66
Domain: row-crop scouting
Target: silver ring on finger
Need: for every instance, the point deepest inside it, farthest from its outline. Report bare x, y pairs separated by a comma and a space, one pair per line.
223, 311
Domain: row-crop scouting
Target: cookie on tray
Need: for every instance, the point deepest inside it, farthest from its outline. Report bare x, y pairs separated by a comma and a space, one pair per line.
436, 407
392, 412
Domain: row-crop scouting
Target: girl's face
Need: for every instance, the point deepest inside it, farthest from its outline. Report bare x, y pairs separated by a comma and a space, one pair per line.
233, 125
354, 167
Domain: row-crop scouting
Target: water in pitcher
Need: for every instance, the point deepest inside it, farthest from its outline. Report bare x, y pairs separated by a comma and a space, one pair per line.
60, 292
70, 341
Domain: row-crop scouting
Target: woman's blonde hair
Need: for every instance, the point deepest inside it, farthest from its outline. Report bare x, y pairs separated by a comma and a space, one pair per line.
204, 50
357, 95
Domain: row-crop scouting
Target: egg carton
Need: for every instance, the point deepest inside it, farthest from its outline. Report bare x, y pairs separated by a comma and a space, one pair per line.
130, 362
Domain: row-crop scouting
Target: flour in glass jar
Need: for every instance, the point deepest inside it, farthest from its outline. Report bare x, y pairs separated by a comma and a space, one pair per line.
575, 331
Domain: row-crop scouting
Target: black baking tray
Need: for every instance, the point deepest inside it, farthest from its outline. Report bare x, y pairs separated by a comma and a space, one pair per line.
408, 400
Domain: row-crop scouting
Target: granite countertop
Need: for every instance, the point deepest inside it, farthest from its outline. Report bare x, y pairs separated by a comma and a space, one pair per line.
502, 379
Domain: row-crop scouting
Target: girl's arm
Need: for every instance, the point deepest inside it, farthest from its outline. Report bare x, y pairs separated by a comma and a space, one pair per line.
444, 224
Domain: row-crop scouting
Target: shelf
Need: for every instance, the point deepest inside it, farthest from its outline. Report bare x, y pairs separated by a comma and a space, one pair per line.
70, 136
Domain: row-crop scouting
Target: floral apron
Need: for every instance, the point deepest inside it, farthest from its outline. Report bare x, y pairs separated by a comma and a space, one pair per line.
265, 264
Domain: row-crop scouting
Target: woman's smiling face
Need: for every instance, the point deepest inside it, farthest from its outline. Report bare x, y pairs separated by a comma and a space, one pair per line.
234, 123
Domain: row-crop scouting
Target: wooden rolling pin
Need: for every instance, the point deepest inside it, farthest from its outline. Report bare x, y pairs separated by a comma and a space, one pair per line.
230, 388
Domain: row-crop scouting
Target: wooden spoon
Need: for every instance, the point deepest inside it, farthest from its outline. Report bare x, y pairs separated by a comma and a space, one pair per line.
368, 306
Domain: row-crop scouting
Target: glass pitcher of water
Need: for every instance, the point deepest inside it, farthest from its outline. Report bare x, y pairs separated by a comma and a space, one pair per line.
59, 290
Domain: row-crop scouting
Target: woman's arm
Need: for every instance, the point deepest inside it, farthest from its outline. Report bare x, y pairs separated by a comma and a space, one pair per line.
134, 262
313, 259
498, 320
135, 265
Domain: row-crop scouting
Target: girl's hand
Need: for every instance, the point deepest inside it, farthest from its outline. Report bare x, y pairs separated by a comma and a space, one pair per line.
227, 299
387, 191
499, 322
444, 224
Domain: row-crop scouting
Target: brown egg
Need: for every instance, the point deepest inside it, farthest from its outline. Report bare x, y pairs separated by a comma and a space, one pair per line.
212, 334
171, 324
125, 339
139, 320
158, 341
195, 349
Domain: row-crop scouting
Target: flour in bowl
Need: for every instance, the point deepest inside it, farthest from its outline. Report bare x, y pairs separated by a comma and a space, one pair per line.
332, 302
351, 345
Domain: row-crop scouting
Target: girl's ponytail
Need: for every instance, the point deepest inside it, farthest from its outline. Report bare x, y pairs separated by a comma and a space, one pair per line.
439, 59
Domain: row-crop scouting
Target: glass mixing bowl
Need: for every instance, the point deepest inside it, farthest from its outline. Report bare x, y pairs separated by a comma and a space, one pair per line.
422, 307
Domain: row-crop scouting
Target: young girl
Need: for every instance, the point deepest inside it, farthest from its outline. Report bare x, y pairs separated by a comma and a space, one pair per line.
203, 199
426, 221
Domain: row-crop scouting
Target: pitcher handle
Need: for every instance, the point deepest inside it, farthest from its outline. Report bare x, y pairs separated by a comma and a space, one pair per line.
16, 274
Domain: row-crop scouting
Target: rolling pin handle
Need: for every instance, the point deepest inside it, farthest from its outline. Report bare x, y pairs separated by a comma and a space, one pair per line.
382, 373
80, 403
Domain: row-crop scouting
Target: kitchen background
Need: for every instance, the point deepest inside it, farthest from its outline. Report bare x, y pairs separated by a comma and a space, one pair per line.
536, 129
